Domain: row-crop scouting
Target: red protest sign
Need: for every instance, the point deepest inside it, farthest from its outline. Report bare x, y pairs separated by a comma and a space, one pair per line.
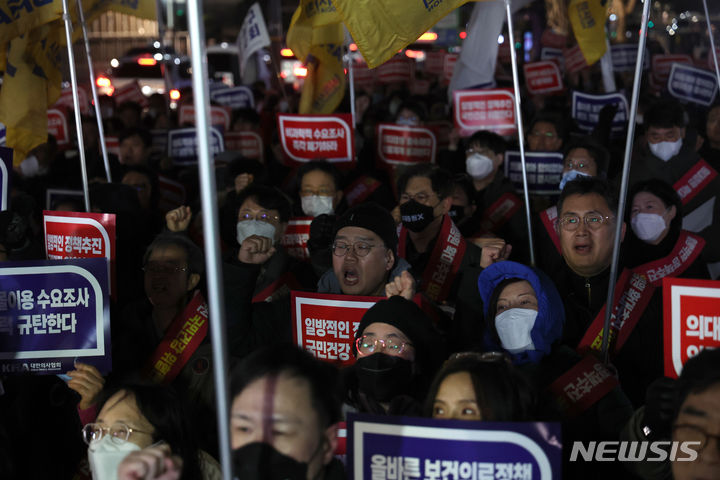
80, 235
691, 320
296, 237
574, 59
492, 110
130, 92
325, 324
219, 116
249, 144
397, 69
363, 76
403, 145
307, 137
449, 66
57, 126
550, 38
661, 66
112, 144
542, 77
66, 100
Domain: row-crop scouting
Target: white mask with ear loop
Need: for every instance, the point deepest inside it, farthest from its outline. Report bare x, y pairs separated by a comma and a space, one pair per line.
648, 226
106, 454
514, 326
478, 166
665, 150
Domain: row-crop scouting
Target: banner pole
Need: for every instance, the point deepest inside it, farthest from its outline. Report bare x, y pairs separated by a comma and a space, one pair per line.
521, 134
93, 87
211, 227
625, 179
76, 103
351, 79
712, 43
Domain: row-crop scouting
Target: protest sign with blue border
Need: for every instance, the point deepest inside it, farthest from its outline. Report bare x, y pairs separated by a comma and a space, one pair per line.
183, 148
52, 312
544, 170
235, 97
624, 57
586, 110
6, 164
381, 447
692, 84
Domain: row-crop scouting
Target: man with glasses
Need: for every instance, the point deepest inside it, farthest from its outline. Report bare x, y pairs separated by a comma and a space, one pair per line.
546, 133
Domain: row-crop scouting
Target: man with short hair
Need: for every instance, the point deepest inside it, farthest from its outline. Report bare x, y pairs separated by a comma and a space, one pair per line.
546, 133
135, 147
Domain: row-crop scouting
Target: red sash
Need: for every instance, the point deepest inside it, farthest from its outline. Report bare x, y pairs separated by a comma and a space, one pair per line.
498, 214
584, 384
549, 220
281, 286
360, 189
694, 180
686, 250
444, 261
632, 294
183, 337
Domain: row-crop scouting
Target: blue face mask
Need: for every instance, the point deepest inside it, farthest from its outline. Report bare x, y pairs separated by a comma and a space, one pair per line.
571, 175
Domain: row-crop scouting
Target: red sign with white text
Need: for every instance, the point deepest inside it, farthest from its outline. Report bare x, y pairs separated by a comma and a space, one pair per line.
249, 144
57, 126
691, 320
574, 59
66, 100
492, 110
435, 61
449, 66
219, 116
363, 76
325, 324
405, 145
130, 92
308, 137
296, 237
661, 66
112, 144
543, 77
550, 38
397, 69
80, 235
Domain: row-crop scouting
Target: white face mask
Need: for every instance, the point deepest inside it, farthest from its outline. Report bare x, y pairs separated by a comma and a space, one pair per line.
665, 150
478, 166
648, 226
514, 326
248, 228
411, 122
314, 205
571, 175
105, 456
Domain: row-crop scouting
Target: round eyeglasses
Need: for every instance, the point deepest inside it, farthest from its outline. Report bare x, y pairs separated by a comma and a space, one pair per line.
593, 221
261, 217
693, 433
368, 345
118, 431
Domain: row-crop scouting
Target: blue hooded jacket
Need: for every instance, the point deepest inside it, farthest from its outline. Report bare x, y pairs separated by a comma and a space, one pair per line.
551, 313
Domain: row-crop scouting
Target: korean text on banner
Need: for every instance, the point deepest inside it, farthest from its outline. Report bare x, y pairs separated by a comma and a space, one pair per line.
307, 137
235, 97
691, 320
404, 145
249, 144
544, 170
382, 27
325, 324
58, 127
662, 64
6, 165
253, 35
296, 236
52, 312
543, 77
380, 447
182, 144
492, 110
690, 84
624, 57
586, 111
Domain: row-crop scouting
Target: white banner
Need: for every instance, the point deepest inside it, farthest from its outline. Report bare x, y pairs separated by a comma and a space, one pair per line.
253, 35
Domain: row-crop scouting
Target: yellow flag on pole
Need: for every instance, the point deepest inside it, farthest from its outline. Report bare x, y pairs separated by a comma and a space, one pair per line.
18, 17
588, 23
382, 27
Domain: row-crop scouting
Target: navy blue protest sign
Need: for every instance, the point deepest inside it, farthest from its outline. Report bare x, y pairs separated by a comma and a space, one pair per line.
544, 170
691, 84
624, 57
6, 164
235, 97
52, 312
586, 110
383, 448
183, 148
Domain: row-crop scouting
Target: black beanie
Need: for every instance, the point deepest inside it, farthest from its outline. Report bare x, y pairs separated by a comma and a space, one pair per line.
373, 217
407, 317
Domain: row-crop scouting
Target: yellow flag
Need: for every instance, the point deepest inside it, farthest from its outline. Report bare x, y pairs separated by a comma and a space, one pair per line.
382, 27
320, 12
306, 31
23, 101
18, 17
588, 23
324, 86
45, 45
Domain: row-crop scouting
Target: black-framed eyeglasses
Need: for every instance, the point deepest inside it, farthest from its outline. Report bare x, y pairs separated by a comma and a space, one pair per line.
361, 249
367, 345
118, 431
593, 221
261, 217
693, 433
421, 197
163, 268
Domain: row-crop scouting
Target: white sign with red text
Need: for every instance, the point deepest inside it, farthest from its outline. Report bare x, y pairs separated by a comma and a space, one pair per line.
57, 126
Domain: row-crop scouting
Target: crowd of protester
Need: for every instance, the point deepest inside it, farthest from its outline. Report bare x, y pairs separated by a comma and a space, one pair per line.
486, 342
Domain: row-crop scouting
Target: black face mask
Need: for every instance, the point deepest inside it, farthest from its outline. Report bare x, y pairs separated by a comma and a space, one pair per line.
384, 377
416, 216
260, 461
457, 213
